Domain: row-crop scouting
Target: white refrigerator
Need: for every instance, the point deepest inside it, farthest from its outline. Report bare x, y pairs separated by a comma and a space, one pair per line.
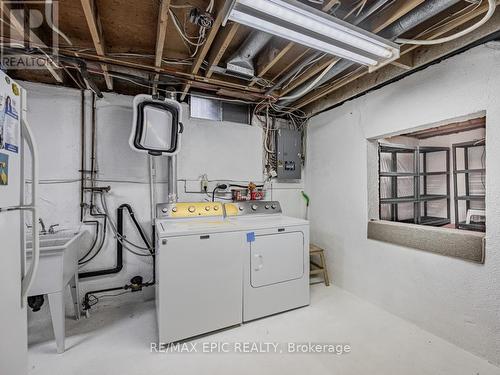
16, 275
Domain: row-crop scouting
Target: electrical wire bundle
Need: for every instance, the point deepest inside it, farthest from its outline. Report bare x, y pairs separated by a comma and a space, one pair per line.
202, 20
266, 112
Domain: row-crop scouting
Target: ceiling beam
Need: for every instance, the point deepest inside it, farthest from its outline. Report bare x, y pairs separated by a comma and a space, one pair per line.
220, 45
456, 127
422, 56
433, 34
168, 71
18, 25
221, 7
161, 32
95, 27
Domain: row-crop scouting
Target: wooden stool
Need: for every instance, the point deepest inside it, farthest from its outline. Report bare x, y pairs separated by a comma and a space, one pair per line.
321, 267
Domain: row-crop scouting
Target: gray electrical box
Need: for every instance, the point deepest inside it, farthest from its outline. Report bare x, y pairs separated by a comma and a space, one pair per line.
288, 154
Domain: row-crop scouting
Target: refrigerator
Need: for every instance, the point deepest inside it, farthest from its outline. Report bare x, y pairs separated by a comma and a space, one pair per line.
18, 207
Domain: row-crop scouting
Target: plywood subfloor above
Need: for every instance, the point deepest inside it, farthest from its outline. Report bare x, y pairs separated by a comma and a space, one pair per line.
138, 45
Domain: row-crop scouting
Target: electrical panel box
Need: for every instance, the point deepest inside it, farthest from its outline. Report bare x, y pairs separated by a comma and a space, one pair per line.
288, 154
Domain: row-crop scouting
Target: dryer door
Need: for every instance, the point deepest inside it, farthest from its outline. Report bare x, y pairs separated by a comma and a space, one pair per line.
276, 258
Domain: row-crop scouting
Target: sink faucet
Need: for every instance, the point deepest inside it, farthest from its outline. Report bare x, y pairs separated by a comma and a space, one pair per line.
42, 224
51, 228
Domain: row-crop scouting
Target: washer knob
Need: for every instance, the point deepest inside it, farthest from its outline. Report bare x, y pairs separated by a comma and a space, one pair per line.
191, 209
164, 210
216, 208
240, 208
267, 207
254, 207
273, 206
174, 209
207, 208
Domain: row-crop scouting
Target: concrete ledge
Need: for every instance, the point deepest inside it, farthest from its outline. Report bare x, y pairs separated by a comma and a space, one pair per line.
449, 242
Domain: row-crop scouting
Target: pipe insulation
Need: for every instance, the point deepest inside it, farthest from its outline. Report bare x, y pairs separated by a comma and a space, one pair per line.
422, 13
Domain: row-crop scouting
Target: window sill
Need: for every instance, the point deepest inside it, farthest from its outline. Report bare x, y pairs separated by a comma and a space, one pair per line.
455, 243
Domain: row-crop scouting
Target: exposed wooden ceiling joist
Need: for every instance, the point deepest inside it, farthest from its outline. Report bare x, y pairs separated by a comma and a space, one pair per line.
221, 7
194, 79
18, 25
220, 45
95, 28
388, 16
422, 56
433, 34
456, 127
161, 32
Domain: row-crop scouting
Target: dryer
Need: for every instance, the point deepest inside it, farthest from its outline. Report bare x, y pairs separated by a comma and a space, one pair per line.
275, 258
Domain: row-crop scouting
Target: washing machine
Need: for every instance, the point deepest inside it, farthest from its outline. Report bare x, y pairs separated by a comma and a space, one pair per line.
275, 258
199, 271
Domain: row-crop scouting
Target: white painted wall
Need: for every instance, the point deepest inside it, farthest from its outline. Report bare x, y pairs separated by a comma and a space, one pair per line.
223, 151
454, 299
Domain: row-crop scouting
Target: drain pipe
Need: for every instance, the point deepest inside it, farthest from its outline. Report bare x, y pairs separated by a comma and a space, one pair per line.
173, 196
420, 14
172, 179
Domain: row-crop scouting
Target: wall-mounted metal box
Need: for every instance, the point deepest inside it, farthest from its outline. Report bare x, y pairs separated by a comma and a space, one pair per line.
288, 154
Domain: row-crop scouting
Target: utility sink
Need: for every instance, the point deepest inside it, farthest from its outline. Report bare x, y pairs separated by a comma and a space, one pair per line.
58, 269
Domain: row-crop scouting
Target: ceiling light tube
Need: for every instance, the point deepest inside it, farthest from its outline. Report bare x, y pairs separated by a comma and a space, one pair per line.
295, 36
305, 25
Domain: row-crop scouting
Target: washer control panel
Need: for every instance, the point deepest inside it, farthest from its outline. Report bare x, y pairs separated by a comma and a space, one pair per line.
189, 210
252, 208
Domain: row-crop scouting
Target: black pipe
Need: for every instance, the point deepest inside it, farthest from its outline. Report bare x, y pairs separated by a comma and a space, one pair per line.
119, 250
119, 246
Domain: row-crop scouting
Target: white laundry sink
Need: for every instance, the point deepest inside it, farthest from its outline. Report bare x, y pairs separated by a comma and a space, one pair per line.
57, 269
58, 260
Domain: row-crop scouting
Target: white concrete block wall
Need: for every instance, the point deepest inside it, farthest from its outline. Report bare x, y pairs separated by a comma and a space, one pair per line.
457, 300
223, 151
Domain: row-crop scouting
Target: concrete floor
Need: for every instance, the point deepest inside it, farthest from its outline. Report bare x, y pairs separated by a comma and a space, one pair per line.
116, 340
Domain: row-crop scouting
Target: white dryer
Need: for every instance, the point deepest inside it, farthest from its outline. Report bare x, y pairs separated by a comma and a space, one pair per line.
275, 259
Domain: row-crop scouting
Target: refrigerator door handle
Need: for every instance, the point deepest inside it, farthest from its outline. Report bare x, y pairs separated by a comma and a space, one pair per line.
27, 280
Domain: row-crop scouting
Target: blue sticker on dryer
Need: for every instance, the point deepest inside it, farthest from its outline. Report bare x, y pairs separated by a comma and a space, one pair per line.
250, 236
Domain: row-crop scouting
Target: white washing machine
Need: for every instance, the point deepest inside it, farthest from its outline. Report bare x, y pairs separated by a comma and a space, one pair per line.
198, 271
275, 258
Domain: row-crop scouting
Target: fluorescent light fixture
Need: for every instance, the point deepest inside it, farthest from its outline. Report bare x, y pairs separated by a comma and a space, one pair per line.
302, 24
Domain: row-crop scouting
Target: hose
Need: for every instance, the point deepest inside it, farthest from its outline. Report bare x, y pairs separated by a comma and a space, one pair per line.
488, 15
